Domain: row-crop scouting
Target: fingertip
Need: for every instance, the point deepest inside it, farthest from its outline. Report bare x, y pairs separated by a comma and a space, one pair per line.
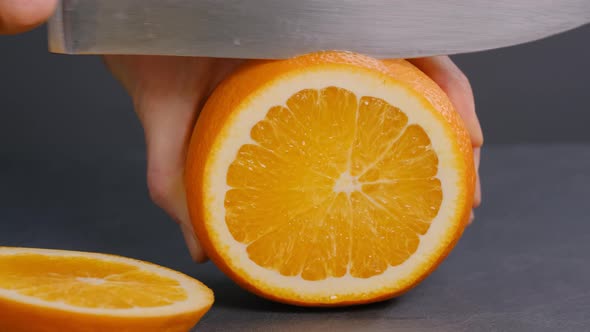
21, 15
195, 249
477, 193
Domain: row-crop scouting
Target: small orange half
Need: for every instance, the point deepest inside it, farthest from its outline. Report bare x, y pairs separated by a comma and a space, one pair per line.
45, 290
330, 178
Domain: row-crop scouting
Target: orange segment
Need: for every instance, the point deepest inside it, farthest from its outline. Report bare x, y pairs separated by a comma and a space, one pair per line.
410, 156
329, 179
97, 292
292, 196
381, 124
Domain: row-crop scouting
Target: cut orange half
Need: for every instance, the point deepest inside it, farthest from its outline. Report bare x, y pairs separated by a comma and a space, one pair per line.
55, 291
330, 178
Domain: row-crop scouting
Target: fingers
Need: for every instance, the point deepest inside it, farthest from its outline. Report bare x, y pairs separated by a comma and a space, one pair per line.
21, 15
456, 85
167, 124
477, 197
168, 93
166, 99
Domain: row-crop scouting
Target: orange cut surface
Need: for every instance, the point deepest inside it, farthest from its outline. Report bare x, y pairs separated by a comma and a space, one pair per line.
362, 202
53, 290
329, 179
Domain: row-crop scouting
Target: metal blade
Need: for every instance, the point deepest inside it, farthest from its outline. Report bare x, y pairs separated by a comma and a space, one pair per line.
284, 28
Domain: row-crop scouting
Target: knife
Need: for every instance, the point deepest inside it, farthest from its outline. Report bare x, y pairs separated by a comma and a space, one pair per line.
284, 28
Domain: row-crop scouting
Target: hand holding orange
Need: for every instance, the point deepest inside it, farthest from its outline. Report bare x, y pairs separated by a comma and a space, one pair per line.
169, 92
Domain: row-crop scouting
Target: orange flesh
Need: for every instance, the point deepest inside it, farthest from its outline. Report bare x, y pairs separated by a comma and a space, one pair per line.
335, 185
87, 282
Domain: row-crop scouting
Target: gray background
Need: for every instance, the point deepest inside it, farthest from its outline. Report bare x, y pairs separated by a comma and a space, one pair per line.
72, 170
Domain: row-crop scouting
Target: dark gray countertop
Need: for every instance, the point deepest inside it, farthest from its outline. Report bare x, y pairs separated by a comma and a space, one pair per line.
523, 265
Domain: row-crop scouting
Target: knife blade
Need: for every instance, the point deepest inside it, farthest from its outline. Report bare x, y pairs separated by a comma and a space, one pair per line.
284, 28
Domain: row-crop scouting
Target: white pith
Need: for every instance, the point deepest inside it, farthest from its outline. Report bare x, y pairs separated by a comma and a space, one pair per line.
347, 183
197, 294
237, 133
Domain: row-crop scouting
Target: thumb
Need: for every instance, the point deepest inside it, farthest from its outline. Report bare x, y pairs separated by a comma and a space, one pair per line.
167, 124
21, 15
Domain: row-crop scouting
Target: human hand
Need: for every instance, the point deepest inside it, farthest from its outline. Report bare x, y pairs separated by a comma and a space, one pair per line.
18, 16
456, 85
168, 93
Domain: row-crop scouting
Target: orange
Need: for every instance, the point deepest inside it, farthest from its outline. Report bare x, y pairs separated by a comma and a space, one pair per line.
55, 291
329, 179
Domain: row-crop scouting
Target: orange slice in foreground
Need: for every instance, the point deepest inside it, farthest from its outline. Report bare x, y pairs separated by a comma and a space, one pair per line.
55, 291
330, 178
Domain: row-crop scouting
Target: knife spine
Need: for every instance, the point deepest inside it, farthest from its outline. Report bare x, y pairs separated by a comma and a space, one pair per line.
57, 34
